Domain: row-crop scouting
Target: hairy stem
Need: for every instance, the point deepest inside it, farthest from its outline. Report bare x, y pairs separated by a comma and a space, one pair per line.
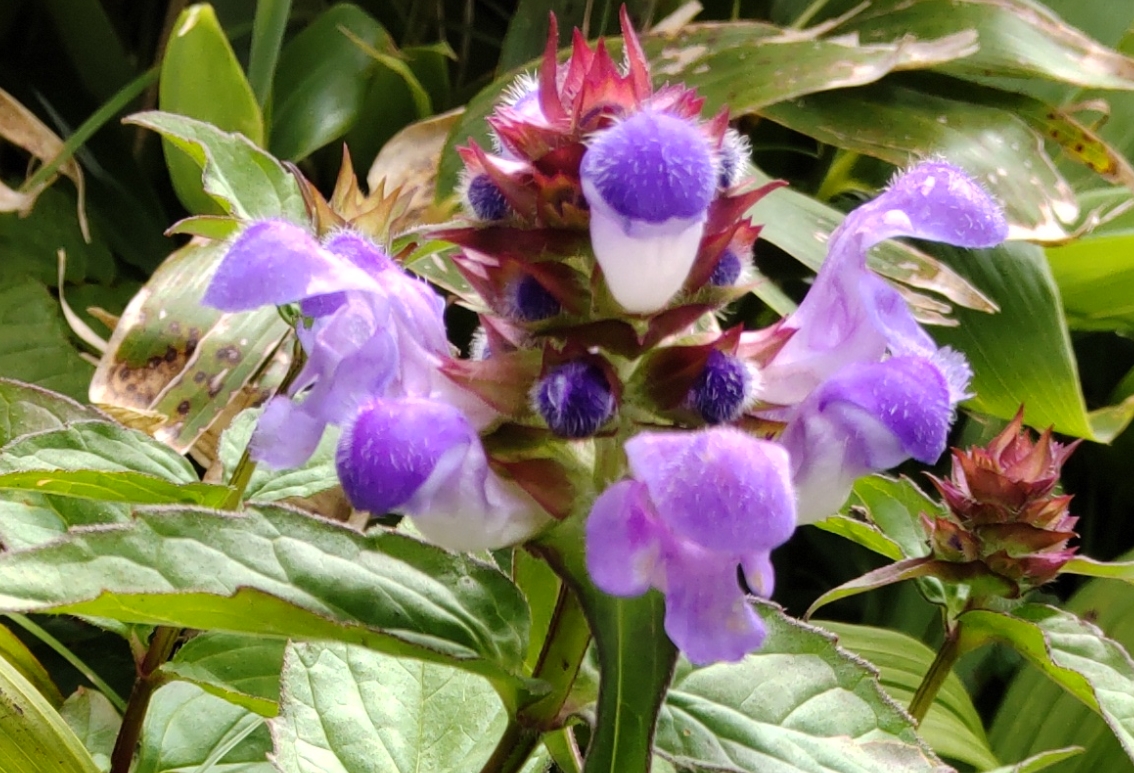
161, 647
567, 638
938, 672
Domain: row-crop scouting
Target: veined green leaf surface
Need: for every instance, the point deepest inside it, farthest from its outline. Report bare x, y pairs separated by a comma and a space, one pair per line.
346, 709
797, 704
242, 669
26, 408
1073, 653
952, 726
95, 721
104, 486
1017, 37
275, 572
201, 79
1096, 281
35, 344
186, 729
33, 737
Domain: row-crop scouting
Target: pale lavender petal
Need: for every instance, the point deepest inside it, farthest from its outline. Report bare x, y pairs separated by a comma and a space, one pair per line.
720, 487
706, 613
274, 262
393, 447
759, 573
623, 541
286, 434
359, 251
866, 419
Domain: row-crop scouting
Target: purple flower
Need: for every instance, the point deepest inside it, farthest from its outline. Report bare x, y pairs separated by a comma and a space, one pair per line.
484, 199
850, 314
370, 329
725, 389
423, 458
648, 180
530, 301
867, 418
574, 399
700, 506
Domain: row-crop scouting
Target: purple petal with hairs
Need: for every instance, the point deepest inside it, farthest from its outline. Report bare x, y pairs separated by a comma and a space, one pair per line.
623, 541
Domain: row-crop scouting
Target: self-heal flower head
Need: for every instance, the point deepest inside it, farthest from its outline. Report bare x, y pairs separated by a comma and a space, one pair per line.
850, 314
370, 329
867, 418
648, 180
423, 458
699, 505
724, 389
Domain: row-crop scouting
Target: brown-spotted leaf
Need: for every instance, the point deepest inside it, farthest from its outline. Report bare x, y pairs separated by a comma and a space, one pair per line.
174, 366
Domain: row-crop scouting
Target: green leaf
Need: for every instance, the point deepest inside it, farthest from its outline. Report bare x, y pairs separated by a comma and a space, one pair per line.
1017, 37
242, 669
27, 519
275, 572
899, 124
95, 721
186, 729
16, 653
1023, 354
1043, 761
1019, 729
636, 658
1096, 281
26, 408
316, 475
322, 80
115, 487
33, 737
893, 506
96, 445
201, 79
268, 28
35, 343
348, 710
798, 704
175, 366
241, 179
952, 726
1073, 653
540, 587
1089, 567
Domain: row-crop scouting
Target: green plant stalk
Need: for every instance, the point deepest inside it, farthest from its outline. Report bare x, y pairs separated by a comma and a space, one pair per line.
938, 672
65, 653
567, 639
268, 29
115, 105
149, 679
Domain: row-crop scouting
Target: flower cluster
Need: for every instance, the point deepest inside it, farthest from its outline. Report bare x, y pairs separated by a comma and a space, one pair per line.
1004, 513
606, 226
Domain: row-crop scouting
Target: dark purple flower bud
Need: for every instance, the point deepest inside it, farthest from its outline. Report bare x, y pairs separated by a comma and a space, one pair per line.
531, 302
728, 269
724, 389
574, 399
485, 200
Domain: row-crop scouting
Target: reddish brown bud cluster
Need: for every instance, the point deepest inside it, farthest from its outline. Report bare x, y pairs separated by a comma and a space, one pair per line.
1004, 511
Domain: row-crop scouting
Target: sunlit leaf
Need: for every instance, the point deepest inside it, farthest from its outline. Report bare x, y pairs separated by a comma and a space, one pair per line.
798, 704
242, 669
952, 727
95, 721
307, 578
351, 710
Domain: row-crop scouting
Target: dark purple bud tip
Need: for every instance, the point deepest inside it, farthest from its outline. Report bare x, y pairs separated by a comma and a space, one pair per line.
392, 448
723, 390
727, 270
651, 167
575, 400
531, 302
485, 199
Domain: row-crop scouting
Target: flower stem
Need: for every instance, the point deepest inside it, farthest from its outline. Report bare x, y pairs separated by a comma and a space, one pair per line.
161, 647
567, 638
938, 672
